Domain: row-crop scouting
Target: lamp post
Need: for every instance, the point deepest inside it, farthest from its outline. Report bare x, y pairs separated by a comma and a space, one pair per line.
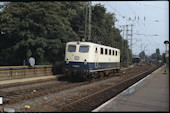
165, 42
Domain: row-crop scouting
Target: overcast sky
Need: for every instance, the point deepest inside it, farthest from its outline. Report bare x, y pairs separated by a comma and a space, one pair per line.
151, 26
152, 19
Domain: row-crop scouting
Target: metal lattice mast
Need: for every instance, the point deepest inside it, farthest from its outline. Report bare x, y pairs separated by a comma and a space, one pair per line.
131, 37
127, 45
89, 26
87, 34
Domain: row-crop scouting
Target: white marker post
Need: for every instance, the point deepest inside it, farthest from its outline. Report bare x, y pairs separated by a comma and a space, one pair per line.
1, 100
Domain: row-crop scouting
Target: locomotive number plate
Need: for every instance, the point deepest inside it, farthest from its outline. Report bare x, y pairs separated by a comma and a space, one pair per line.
76, 65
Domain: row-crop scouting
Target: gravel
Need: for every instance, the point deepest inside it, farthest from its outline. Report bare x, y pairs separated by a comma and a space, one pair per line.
15, 88
56, 97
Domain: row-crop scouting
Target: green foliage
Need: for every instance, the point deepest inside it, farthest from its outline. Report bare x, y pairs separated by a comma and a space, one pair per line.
34, 29
42, 29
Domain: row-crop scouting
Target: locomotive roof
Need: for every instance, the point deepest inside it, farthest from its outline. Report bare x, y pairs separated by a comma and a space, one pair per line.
82, 42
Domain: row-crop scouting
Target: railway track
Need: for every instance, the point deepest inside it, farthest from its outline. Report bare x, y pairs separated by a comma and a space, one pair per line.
65, 105
90, 102
33, 92
19, 95
79, 99
26, 83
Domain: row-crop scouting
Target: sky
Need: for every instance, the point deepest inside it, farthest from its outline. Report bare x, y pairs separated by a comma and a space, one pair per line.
150, 28
150, 20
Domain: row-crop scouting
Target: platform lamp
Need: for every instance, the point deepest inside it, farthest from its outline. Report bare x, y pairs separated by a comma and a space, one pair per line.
165, 42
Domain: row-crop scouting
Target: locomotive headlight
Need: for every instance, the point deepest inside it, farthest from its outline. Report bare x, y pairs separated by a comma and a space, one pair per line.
67, 61
85, 62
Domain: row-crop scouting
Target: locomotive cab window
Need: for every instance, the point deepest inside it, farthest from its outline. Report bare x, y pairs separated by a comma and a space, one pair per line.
116, 53
71, 48
84, 49
113, 52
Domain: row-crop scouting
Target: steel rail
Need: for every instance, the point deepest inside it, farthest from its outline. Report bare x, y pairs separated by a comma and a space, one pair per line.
143, 74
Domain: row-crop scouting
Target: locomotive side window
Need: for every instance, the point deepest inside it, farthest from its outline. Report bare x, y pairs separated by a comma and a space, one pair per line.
113, 52
71, 48
96, 50
109, 52
105, 51
116, 53
84, 49
101, 51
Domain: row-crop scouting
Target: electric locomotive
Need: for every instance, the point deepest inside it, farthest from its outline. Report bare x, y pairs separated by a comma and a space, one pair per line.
87, 60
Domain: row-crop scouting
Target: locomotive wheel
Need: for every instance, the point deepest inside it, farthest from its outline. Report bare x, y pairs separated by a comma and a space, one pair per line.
114, 71
95, 75
106, 73
117, 70
87, 77
100, 74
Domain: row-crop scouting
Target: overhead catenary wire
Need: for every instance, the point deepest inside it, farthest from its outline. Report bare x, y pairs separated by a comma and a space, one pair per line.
141, 23
119, 14
151, 6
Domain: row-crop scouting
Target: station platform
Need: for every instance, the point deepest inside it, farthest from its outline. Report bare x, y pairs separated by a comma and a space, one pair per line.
29, 79
149, 94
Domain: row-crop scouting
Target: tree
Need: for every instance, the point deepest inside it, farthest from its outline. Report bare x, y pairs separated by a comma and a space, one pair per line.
41, 30
34, 29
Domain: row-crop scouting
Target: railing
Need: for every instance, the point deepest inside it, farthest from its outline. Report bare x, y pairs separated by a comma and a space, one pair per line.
10, 72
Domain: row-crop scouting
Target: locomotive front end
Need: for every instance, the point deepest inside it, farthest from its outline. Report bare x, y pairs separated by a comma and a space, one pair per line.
76, 60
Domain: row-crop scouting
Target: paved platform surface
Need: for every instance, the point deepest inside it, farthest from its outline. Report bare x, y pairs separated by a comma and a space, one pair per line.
152, 96
6, 82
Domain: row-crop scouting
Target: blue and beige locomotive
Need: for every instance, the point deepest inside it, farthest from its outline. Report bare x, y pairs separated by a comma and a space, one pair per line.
90, 60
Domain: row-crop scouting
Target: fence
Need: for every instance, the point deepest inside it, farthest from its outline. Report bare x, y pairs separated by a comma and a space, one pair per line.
11, 72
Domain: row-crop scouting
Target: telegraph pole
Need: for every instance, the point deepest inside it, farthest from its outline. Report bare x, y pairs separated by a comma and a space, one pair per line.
89, 28
122, 51
131, 37
127, 44
88, 21
85, 32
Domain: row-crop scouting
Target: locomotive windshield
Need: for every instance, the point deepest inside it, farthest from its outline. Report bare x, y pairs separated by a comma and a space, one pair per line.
84, 49
71, 48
